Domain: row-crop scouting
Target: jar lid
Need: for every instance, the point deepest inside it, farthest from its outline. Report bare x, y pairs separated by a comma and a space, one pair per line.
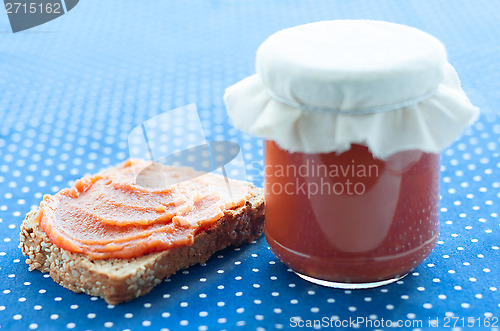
322, 86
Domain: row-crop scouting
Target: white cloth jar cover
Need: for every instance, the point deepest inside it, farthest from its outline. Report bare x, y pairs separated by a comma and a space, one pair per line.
323, 86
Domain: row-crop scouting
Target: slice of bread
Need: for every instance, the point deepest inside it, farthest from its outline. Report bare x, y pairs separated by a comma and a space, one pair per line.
120, 280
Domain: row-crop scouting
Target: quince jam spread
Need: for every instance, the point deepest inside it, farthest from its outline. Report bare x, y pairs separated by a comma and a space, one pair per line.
109, 215
350, 217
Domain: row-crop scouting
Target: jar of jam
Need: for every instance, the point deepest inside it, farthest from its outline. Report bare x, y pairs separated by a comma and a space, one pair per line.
354, 115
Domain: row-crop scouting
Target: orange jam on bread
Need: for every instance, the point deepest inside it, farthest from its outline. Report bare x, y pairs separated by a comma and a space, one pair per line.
109, 215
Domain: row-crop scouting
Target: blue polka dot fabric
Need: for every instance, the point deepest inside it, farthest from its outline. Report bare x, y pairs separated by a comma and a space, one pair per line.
72, 90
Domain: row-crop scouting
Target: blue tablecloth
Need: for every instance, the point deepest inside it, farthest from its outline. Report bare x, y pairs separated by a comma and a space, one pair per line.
72, 89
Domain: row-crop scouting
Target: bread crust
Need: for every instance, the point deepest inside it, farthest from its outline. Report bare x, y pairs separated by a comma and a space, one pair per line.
121, 280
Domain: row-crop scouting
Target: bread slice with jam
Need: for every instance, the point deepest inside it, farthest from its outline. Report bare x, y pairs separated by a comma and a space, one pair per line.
119, 280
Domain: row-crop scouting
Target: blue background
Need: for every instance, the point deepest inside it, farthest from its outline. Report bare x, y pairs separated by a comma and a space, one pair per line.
72, 89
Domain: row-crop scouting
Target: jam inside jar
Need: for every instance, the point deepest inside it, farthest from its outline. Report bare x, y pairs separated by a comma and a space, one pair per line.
350, 220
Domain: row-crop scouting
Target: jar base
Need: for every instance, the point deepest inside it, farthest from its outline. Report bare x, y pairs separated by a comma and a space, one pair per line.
348, 286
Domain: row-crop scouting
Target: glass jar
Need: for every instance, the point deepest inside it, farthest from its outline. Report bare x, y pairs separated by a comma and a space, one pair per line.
355, 114
351, 220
